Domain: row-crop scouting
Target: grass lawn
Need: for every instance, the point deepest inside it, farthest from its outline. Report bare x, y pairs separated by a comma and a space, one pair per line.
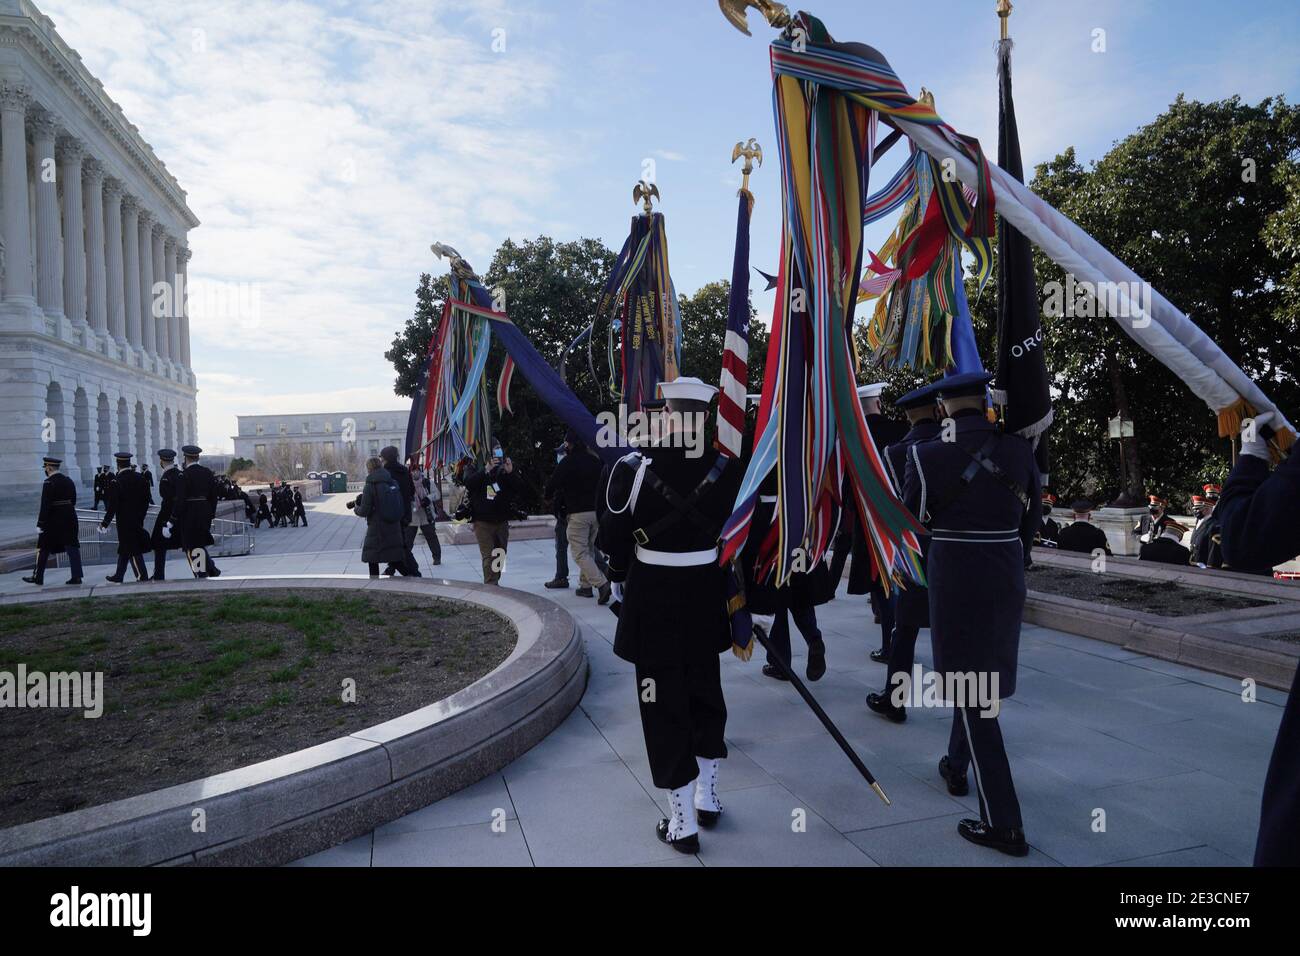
199, 684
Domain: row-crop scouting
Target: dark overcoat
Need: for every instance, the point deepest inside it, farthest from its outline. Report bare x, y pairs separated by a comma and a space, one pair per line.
196, 505
168, 487
58, 516
128, 504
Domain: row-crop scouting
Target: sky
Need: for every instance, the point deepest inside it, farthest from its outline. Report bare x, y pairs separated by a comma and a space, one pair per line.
325, 145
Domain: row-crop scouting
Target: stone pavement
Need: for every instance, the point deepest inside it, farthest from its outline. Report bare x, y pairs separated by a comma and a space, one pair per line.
1118, 758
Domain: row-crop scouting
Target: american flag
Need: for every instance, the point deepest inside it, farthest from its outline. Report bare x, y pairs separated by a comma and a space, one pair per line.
735, 350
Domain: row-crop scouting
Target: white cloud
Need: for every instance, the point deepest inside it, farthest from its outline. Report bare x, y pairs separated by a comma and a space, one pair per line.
323, 149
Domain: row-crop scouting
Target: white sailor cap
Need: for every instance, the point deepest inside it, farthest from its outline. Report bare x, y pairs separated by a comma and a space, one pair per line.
873, 390
687, 387
753, 399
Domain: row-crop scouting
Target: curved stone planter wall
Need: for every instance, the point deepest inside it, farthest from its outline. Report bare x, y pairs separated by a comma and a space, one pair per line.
282, 809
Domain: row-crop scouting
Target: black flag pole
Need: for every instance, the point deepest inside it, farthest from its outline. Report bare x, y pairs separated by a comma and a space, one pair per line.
811, 701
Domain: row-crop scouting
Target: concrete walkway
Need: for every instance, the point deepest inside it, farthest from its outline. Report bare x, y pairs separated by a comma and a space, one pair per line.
1118, 758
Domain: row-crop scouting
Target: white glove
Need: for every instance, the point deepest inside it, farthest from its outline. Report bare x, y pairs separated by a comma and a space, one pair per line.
1252, 438
102, 530
616, 589
167, 530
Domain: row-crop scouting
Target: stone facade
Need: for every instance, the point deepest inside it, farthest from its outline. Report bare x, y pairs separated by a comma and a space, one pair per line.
318, 440
94, 346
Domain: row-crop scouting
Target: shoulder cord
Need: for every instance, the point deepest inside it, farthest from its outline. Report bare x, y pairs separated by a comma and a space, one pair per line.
630, 504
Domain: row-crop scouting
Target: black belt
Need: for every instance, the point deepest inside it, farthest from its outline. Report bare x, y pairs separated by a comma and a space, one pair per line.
196, 499
58, 503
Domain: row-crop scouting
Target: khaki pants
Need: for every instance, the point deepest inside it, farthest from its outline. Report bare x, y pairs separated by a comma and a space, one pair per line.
581, 533
493, 537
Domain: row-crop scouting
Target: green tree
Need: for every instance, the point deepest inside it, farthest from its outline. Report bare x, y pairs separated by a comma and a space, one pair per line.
1203, 203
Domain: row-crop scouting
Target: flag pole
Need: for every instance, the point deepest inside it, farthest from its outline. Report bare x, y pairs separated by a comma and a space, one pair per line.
811, 701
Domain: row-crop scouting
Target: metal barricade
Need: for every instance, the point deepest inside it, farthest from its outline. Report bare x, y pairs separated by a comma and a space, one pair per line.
230, 537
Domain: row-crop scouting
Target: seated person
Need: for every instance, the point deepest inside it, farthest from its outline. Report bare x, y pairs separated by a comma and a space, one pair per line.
1166, 544
1081, 534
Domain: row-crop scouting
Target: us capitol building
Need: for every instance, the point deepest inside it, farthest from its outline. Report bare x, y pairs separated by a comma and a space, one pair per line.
94, 329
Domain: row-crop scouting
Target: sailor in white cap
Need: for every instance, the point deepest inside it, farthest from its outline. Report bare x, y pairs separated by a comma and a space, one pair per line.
663, 511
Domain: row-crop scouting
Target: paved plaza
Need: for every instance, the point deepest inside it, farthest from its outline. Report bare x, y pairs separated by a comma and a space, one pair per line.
1118, 758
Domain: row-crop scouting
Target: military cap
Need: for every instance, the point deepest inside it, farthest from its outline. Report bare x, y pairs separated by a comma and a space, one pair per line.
122, 457
873, 390
920, 397
51, 460
193, 451
687, 388
166, 454
966, 383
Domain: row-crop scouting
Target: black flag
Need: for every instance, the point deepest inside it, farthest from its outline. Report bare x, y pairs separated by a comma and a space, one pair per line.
1022, 366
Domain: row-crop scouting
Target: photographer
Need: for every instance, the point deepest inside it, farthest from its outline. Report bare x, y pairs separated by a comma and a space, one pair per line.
492, 492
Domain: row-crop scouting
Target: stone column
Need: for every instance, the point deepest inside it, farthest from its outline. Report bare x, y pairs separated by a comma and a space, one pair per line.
183, 257
96, 280
144, 244
114, 289
173, 299
49, 258
16, 226
71, 154
159, 304
131, 271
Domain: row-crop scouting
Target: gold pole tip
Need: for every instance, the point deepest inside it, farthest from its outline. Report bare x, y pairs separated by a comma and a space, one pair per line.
881, 794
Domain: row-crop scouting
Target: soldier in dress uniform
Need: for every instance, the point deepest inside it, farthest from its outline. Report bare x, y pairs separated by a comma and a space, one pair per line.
912, 608
1081, 534
196, 504
57, 522
662, 515
1206, 544
98, 485
163, 539
862, 577
1259, 518
1166, 544
1049, 531
979, 495
147, 475
128, 504
299, 511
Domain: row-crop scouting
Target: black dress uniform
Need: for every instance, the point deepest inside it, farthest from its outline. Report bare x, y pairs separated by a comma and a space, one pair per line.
661, 544
98, 486
168, 488
980, 496
1206, 542
1081, 535
912, 604
798, 598
884, 432
1259, 515
196, 504
673, 623
57, 522
128, 504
